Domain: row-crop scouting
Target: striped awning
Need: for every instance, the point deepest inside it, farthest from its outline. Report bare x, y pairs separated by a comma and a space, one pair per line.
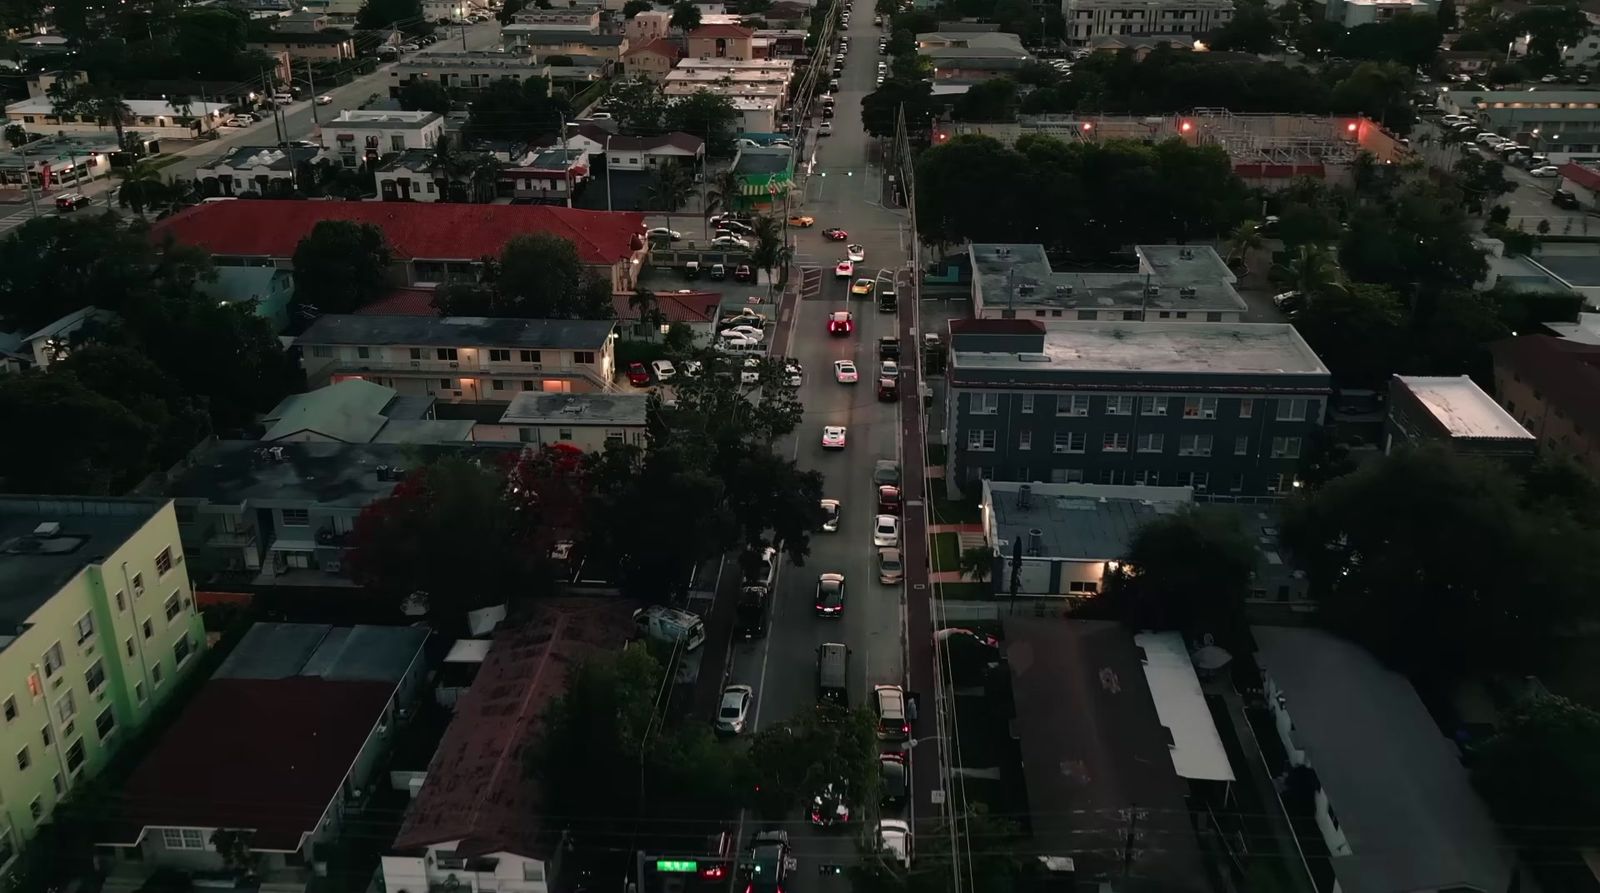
772, 186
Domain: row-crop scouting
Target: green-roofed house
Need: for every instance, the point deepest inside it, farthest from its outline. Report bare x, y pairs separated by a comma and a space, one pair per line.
270, 287
358, 411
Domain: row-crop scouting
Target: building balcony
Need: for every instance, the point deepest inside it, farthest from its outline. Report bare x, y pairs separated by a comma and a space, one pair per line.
454, 367
239, 536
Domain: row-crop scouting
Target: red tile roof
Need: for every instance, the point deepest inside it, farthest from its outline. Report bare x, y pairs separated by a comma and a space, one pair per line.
661, 46
402, 302
477, 790
440, 231
1566, 372
1584, 176
267, 754
712, 31
696, 306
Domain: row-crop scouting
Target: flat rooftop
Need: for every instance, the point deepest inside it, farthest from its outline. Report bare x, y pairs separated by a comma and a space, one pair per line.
240, 472
1575, 270
460, 331
762, 161
1462, 407
1194, 347
1093, 745
1173, 277
338, 653
34, 568
1388, 771
1090, 522
539, 408
358, 119
1197, 752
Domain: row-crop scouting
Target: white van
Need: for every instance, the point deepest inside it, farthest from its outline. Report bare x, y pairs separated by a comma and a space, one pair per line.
741, 346
670, 625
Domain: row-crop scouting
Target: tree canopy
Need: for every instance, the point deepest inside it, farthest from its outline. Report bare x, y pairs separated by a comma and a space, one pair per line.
509, 109
1188, 572
1540, 772
341, 266
537, 276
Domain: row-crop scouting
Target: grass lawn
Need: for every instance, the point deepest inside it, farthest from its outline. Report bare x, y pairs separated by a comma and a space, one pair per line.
949, 511
946, 551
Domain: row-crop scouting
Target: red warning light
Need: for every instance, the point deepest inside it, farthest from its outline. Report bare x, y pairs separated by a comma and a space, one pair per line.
1088, 126
1351, 127
1186, 126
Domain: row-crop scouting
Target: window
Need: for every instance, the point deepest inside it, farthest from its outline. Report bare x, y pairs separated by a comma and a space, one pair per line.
122, 602
583, 357
46, 736
36, 809
1024, 441
1292, 410
85, 627
148, 629
11, 708
127, 646
444, 385
1027, 404
980, 439
1199, 407
95, 676
1087, 314
138, 585
172, 606
1241, 446
24, 759
67, 707
1066, 475
1072, 404
1236, 482
1194, 444
499, 356
1195, 479
1151, 443
181, 650
529, 356
322, 351
59, 785
296, 517
183, 839
105, 723
444, 353
164, 561
1085, 586
499, 384
1153, 406
1285, 447
1119, 406
1247, 408
138, 691
363, 353
1114, 442
397, 142
1132, 315
416, 353
53, 660
1071, 441
155, 675
1147, 476
983, 404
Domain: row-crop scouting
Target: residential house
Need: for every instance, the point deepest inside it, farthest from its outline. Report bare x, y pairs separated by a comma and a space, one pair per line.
363, 136
1089, 19
330, 45
279, 514
695, 309
255, 170
1550, 385
1081, 777
292, 726
430, 244
445, 10
653, 59
545, 43
549, 177
359, 411
972, 56
647, 26
462, 359
102, 629
57, 340
639, 153
13, 355
477, 818
464, 69
1173, 282
1224, 408
590, 422
721, 42
415, 175
1454, 411
1382, 771
584, 20
271, 289
302, 22
154, 118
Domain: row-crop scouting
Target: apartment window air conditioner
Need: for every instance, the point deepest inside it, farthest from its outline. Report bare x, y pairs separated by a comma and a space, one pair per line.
138, 589
455, 365
416, 364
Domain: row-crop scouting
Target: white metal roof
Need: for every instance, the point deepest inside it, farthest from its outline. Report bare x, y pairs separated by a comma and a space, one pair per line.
1462, 407
1196, 747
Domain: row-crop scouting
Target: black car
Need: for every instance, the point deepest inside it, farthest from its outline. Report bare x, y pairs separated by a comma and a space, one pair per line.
752, 612
1564, 199
769, 862
830, 595
893, 783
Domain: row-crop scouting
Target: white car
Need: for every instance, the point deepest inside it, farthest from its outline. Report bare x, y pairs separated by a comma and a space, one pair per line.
844, 270
1282, 300
661, 232
1548, 170
751, 332
856, 253
833, 437
734, 711
751, 373
325, 99
663, 370
844, 372
239, 121
894, 837
830, 515
691, 368
796, 373
730, 242
886, 532
825, 128
890, 369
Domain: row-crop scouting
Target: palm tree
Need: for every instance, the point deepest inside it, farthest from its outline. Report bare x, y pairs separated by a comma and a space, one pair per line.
669, 188
482, 173
976, 563
645, 302
1312, 272
1245, 237
142, 187
724, 192
767, 250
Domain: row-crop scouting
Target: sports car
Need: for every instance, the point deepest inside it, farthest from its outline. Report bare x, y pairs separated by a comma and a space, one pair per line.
833, 437
855, 253
835, 234
863, 287
845, 269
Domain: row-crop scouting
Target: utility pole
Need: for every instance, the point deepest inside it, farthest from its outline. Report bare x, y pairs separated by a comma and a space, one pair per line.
27, 177
266, 83
463, 38
608, 167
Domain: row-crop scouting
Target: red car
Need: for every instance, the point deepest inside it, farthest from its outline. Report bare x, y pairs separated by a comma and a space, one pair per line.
835, 235
888, 500
637, 376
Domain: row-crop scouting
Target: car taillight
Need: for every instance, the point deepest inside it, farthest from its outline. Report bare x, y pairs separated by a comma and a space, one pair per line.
714, 872
905, 728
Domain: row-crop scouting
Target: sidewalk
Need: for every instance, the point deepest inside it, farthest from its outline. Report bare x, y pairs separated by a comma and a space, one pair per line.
972, 527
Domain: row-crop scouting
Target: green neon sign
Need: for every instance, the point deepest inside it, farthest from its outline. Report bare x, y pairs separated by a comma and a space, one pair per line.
677, 866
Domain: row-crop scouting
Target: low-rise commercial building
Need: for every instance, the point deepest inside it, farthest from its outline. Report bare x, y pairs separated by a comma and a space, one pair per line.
544, 43
1552, 386
292, 726
267, 171
155, 118
1224, 408
465, 359
1089, 19
330, 45
1454, 412
362, 136
972, 56
1174, 282
58, 161
98, 609
464, 70
1560, 123
591, 422
548, 177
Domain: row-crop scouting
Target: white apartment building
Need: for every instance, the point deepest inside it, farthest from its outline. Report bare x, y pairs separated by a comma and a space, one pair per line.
1089, 19
462, 359
647, 26
263, 170
1351, 13
360, 135
583, 19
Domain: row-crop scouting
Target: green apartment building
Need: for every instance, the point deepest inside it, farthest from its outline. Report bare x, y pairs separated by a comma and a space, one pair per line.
97, 622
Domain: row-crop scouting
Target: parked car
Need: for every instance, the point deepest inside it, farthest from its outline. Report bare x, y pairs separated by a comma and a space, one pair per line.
734, 711
663, 370
744, 273
1564, 199
719, 272
825, 128
891, 567
661, 232
325, 99
1548, 170
886, 531
637, 375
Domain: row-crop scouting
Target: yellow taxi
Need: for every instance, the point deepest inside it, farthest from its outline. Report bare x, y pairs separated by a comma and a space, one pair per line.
863, 287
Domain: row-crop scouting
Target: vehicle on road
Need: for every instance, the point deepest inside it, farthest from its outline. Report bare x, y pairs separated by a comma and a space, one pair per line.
744, 273
831, 805
661, 232
825, 128
889, 703
892, 781
886, 471
730, 242
325, 99
889, 348
888, 301
888, 390
834, 234
833, 675
239, 121
844, 270
886, 531
833, 437
889, 369
863, 287
745, 316
795, 372
891, 567
71, 201
770, 862
637, 375
830, 515
841, 322
669, 625
750, 615
830, 595
1548, 170
844, 372
856, 253
736, 226
894, 837
888, 499
663, 370
1285, 300
734, 710
751, 373
802, 220
1564, 199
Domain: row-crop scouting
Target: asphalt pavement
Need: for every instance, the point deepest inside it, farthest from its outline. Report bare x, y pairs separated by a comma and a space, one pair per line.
298, 116
844, 190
